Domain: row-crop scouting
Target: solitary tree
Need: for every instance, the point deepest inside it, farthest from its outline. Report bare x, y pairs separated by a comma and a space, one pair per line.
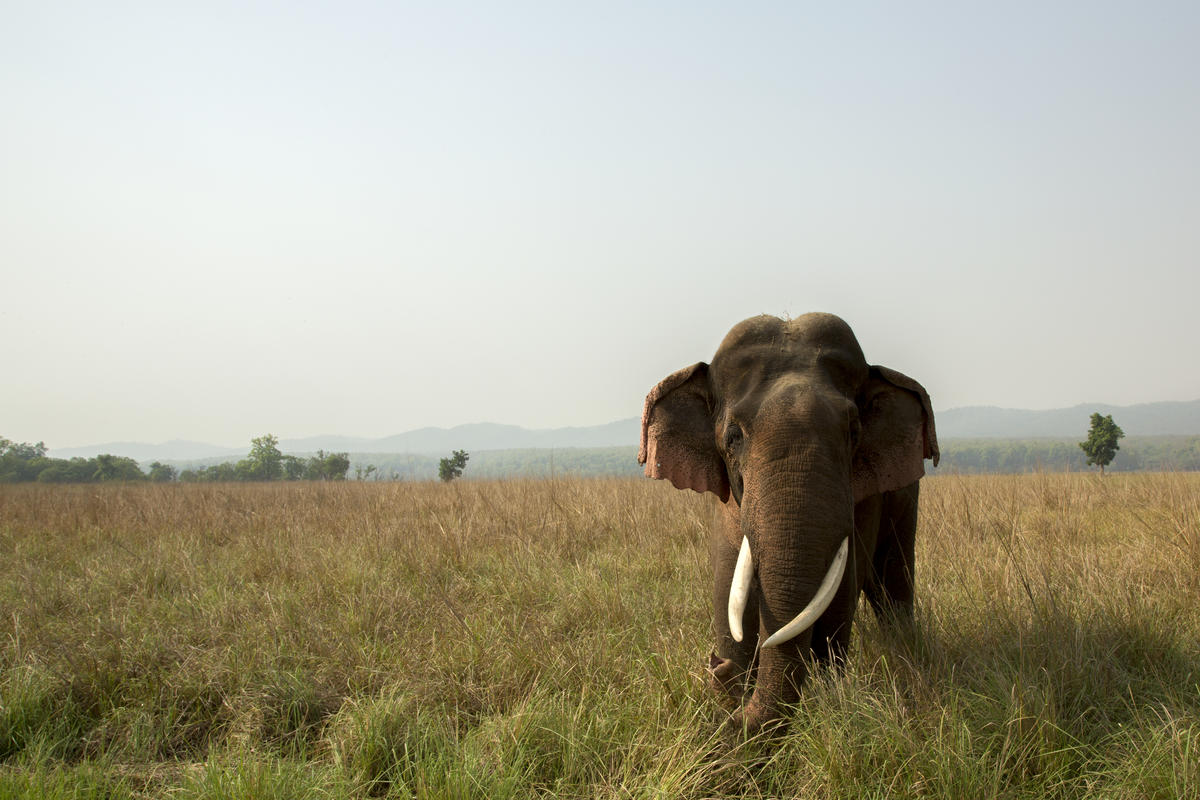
451, 468
327, 466
116, 468
162, 473
1101, 444
265, 462
20, 462
293, 468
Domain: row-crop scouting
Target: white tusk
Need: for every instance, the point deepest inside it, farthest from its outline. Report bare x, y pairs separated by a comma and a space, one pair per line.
821, 600
739, 589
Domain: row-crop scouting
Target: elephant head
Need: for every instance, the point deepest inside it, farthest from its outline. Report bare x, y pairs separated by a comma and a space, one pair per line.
791, 428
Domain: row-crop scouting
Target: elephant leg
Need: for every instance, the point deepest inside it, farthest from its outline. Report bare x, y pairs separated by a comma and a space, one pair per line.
731, 665
893, 561
780, 674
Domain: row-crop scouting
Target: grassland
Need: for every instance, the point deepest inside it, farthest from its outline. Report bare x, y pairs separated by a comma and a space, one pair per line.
545, 638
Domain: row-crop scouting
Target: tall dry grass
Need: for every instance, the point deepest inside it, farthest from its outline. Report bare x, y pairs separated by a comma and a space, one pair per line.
545, 638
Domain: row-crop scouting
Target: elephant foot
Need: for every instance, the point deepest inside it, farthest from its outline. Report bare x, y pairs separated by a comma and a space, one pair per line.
727, 678
755, 718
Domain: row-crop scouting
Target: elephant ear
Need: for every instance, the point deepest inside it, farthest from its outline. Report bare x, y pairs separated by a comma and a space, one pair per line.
897, 434
677, 434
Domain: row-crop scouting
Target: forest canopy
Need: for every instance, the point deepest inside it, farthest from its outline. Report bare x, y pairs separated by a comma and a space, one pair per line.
26, 463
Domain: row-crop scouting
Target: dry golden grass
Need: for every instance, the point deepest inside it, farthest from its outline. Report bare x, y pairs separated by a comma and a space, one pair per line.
545, 638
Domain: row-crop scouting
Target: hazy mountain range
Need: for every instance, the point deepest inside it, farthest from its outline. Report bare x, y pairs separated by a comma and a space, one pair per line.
1147, 419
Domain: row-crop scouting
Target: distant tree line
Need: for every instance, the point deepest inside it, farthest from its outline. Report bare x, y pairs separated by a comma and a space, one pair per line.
1138, 454
564, 462
266, 463
517, 463
28, 462
24, 462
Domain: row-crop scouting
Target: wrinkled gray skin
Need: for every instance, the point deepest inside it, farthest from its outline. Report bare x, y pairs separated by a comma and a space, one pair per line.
804, 444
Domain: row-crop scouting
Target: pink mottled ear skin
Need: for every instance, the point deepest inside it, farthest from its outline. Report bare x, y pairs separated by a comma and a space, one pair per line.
897, 435
677, 434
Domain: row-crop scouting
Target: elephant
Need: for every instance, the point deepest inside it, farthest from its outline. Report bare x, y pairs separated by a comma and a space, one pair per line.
816, 459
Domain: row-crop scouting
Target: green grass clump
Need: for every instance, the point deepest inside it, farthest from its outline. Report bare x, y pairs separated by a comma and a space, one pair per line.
546, 638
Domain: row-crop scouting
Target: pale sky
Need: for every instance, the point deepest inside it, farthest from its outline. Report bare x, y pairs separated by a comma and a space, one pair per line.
219, 220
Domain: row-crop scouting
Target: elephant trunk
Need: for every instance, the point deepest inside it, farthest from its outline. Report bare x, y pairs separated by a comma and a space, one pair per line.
798, 521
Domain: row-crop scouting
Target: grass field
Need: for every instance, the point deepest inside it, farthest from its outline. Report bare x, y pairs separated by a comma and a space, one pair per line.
545, 639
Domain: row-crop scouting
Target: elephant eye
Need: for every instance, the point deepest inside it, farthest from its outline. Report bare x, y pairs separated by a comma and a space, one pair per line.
733, 437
